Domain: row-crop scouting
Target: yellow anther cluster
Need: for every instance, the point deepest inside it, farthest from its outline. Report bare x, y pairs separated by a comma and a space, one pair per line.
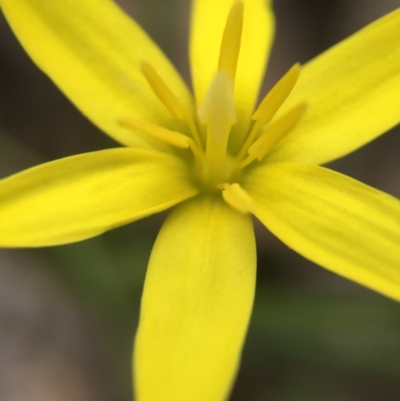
211, 128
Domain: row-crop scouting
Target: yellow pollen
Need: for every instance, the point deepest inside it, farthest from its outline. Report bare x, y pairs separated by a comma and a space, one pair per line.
230, 45
235, 196
163, 92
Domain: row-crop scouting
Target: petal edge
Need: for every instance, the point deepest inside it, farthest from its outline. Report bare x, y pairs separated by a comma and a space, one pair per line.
82, 196
196, 304
333, 220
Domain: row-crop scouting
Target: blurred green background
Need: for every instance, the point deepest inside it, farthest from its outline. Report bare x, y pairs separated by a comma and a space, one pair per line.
68, 314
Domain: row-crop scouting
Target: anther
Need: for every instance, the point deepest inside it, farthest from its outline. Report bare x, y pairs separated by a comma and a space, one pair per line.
235, 196
169, 99
277, 95
276, 131
230, 45
167, 136
163, 92
270, 105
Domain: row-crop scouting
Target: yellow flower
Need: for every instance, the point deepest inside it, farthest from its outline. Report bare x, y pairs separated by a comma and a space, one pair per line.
216, 156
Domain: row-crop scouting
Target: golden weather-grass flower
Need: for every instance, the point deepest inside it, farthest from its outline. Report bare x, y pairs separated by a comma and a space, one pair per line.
218, 158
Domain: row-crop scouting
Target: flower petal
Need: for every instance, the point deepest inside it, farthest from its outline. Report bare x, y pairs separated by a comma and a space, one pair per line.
333, 220
196, 304
82, 196
93, 52
208, 23
352, 92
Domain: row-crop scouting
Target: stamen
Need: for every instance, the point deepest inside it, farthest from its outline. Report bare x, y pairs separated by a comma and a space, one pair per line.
275, 132
167, 136
230, 45
170, 100
235, 196
277, 95
270, 105
163, 92
194, 131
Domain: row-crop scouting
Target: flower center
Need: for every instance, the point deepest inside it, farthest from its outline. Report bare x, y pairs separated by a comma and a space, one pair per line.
209, 132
